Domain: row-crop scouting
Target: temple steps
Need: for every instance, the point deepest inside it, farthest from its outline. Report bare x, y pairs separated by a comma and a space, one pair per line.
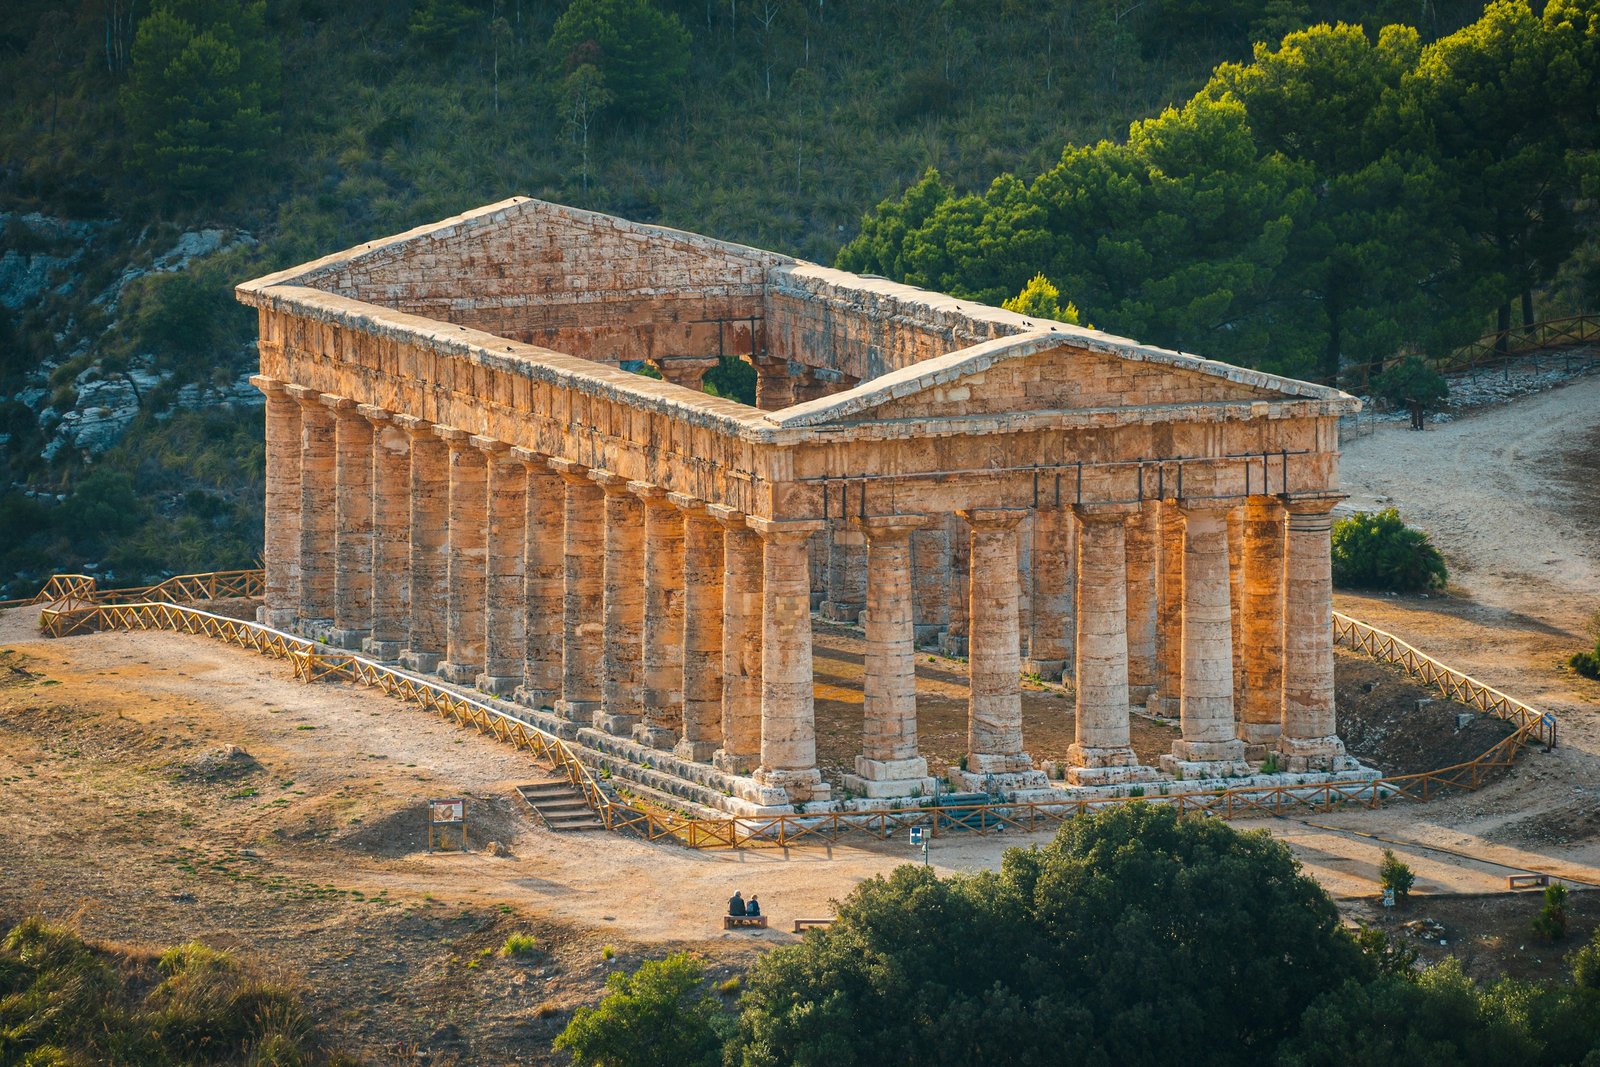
559, 806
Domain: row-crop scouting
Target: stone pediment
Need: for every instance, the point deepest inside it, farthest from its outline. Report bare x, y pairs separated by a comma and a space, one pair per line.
1051, 371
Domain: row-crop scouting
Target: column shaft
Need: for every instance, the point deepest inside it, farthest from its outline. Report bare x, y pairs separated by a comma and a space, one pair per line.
620, 685
847, 575
1310, 741
1261, 645
317, 517
583, 589
543, 583
430, 545
1101, 754
464, 616
352, 576
663, 619
1169, 613
930, 572
391, 535
1236, 603
1143, 536
702, 634
954, 641
788, 711
1054, 575
504, 589
1209, 745
741, 644
281, 547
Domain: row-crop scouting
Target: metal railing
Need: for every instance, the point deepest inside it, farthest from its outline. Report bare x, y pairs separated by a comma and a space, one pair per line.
312, 663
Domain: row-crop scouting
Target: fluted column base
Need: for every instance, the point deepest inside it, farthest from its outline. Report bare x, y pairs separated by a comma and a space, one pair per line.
880, 779
500, 685
1097, 765
733, 762
538, 699
801, 785
420, 662
1303, 754
1206, 759
695, 751
655, 736
969, 781
351, 639
1050, 670
583, 712
460, 673
382, 651
277, 618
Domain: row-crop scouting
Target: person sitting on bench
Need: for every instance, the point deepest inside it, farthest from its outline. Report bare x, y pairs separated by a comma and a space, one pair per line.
736, 905
753, 909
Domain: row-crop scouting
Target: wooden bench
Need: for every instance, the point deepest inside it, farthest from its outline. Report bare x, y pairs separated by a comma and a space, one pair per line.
1527, 881
801, 925
743, 922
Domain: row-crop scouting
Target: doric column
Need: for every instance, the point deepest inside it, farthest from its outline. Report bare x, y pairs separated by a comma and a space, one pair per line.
1209, 747
464, 615
702, 631
543, 579
318, 528
583, 590
505, 547
1054, 575
774, 389
281, 547
1169, 613
622, 652
847, 575
1261, 644
1236, 603
788, 712
1101, 754
352, 575
1309, 741
663, 619
391, 535
687, 371
889, 765
430, 545
741, 643
930, 576
954, 640
995, 756
1142, 536
817, 563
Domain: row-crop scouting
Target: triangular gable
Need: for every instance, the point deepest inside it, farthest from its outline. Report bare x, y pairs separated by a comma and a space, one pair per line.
1049, 371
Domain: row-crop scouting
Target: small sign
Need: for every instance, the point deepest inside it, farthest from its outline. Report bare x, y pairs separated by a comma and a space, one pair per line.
1549, 720
1388, 897
447, 812
916, 836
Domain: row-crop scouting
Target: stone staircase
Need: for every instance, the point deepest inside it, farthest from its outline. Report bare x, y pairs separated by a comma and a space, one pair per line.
559, 806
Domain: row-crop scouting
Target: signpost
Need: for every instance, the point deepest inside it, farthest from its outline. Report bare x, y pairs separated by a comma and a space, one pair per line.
919, 838
1550, 726
443, 816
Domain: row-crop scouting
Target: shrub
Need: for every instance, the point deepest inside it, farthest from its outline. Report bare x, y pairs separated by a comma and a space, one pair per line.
519, 945
660, 1014
1551, 922
1393, 873
1378, 551
1585, 964
1588, 663
1411, 380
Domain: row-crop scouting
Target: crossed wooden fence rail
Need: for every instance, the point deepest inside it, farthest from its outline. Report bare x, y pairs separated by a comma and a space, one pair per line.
313, 663
1503, 348
77, 590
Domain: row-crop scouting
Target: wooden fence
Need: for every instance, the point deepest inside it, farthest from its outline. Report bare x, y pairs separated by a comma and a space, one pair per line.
314, 663
75, 590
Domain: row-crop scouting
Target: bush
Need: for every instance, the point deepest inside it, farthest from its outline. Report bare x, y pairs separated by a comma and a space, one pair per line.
1551, 922
1378, 551
519, 945
1588, 663
660, 1014
1585, 964
1411, 380
1394, 874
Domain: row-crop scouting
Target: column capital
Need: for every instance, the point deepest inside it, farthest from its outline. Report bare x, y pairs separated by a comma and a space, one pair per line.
529, 458
783, 530
1320, 504
372, 413
1105, 512
614, 484
304, 394
573, 473
450, 435
412, 425
653, 495
270, 386
993, 518
732, 518
691, 505
342, 404
890, 527
491, 445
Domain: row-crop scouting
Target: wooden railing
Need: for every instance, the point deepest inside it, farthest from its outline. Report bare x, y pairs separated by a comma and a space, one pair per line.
313, 663
1499, 349
78, 589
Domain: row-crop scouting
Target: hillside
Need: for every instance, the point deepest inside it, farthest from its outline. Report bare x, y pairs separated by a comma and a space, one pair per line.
128, 439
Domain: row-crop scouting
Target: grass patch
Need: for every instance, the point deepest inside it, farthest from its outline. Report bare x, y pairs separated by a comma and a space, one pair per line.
519, 945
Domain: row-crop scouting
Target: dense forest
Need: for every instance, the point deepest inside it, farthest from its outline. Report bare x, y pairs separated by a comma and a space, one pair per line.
1319, 198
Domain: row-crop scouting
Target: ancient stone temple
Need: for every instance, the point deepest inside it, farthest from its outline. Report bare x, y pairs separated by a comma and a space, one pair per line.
465, 474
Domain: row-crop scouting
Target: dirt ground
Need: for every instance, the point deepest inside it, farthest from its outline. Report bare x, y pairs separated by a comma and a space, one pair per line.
304, 846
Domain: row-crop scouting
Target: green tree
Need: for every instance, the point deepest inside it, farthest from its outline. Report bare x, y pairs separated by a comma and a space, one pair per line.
436, 25
1393, 873
1379, 551
659, 1016
641, 53
1411, 380
201, 101
1042, 300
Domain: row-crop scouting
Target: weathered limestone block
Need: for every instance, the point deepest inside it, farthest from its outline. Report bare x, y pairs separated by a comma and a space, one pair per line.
1169, 614
583, 592
954, 640
544, 579
281, 602
741, 643
352, 577
1101, 753
504, 582
1236, 601
847, 575
1054, 576
1143, 547
464, 616
1209, 747
774, 389
995, 757
788, 712
391, 535
1309, 742
687, 371
663, 619
621, 685
318, 527
930, 573
702, 632
817, 562
1261, 644
430, 545
889, 765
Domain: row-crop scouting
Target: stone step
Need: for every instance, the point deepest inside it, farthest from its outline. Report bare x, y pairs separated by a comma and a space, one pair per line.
559, 806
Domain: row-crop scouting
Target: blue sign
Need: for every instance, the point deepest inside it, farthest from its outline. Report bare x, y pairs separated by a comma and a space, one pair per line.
1549, 720
916, 835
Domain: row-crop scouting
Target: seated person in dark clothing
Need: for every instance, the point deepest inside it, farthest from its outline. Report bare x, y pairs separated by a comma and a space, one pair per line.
753, 909
736, 904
